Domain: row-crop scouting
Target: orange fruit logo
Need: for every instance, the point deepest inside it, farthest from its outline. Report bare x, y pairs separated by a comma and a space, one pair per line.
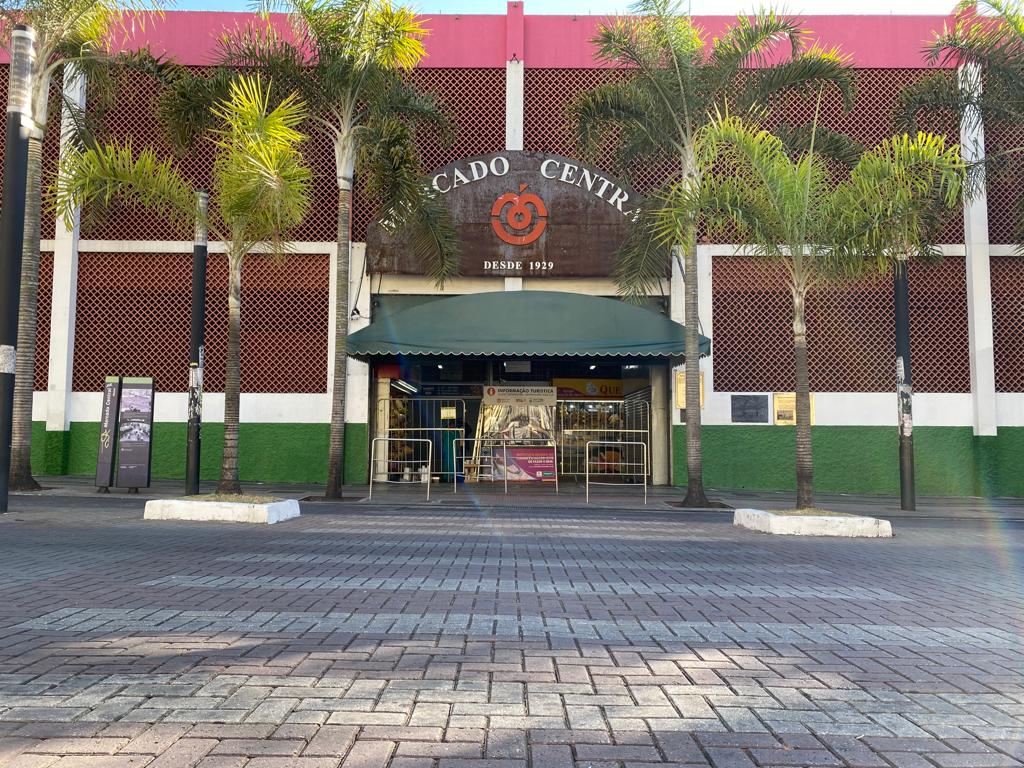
519, 219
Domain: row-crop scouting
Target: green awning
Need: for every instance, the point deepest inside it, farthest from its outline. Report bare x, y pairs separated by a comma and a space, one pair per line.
523, 324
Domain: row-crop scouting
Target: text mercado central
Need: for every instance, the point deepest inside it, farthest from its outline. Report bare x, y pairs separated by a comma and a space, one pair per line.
608, 190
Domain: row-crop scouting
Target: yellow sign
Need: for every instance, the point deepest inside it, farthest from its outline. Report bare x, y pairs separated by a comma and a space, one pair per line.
594, 389
681, 389
784, 408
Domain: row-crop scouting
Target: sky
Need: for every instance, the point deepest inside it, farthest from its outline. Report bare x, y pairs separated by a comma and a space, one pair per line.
606, 7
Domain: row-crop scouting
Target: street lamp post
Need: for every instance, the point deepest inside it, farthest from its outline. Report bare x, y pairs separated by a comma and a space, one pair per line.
12, 229
197, 345
904, 385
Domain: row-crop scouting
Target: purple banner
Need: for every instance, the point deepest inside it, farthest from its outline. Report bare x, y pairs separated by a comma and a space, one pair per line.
525, 463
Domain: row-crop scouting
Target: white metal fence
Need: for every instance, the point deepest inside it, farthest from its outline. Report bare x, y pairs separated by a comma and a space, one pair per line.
581, 422
616, 463
405, 460
441, 420
480, 459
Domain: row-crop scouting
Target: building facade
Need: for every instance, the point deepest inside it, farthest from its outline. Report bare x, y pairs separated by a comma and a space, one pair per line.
114, 299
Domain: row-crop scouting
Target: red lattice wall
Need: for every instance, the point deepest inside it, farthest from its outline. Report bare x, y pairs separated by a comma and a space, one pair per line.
1004, 184
1008, 322
133, 316
126, 301
134, 117
849, 330
548, 93
43, 321
474, 101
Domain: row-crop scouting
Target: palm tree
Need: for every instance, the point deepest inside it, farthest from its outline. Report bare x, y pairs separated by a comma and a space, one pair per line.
788, 209
985, 43
72, 37
894, 206
260, 191
347, 59
673, 80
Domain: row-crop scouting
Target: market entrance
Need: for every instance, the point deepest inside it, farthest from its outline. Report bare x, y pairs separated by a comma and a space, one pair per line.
512, 420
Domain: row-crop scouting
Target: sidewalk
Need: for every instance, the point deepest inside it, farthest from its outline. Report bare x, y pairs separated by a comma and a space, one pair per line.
446, 635
570, 495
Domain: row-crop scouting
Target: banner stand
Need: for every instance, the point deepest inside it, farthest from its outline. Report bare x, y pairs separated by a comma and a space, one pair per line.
126, 434
105, 457
135, 433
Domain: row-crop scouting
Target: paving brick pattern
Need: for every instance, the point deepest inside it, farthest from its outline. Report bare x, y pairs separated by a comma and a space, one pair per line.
424, 637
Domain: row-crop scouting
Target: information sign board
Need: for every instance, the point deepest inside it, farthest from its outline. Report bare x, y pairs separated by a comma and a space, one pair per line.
135, 432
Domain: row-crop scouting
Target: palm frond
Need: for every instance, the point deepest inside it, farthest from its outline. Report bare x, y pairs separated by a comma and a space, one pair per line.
989, 34
645, 257
187, 103
393, 37
892, 205
388, 94
798, 140
389, 162
937, 93
808, 73
610, 108
261, 180
750, 41
104, 174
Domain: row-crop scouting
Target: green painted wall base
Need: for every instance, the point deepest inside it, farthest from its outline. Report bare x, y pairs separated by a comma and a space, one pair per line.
272, 453
948, 460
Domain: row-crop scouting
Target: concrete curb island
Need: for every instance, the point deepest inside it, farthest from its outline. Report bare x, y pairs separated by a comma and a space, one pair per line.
812, 525
221, 511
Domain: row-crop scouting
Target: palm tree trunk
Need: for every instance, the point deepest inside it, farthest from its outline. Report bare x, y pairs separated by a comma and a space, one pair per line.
804, 460
695, 496
24, 377
336, 454
232, 379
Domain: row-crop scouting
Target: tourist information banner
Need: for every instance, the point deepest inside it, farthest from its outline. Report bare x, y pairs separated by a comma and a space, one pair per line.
108, 432
135, 432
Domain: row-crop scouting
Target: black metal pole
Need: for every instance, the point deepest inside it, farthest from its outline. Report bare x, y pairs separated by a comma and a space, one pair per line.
196, 346
904, 386
12, 229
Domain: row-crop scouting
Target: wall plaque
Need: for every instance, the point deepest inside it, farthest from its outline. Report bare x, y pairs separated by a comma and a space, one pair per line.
750, 409
784, 408
523, 214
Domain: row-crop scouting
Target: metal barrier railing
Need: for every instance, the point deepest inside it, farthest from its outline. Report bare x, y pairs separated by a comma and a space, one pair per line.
473, 463
402, 467
620, 459
581, 421
482, 459
440, 419
440, 436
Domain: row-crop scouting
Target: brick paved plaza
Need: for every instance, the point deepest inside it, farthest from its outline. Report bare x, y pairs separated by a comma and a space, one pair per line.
424, 636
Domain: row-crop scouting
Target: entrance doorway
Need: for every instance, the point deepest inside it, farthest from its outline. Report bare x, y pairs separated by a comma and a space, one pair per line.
432, 415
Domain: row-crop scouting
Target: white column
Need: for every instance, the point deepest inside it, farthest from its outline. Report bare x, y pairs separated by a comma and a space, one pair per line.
660, 431
677, 312
515, 74
514, 86
979, 281
357, 406
65, 280
705, 311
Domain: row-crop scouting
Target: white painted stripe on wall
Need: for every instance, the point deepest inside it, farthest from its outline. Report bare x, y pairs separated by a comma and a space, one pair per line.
182, 246
256, 408
931, 409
